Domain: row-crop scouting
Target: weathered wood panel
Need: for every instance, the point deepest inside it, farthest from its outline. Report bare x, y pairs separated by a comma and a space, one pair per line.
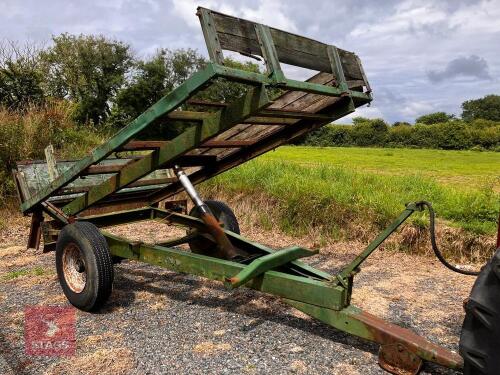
238, 35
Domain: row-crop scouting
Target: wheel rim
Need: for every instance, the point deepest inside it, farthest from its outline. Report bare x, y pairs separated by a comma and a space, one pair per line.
74, 269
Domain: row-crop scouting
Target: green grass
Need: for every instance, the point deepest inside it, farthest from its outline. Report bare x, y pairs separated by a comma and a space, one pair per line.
333, 188
37, 271
460, 169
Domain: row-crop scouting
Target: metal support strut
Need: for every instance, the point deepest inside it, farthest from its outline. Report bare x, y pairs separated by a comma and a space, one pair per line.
226, 249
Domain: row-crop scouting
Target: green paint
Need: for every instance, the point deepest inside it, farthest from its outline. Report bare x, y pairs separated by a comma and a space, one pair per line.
269, 52
254, 100
305, 289
351, 268
167, 104
266, 263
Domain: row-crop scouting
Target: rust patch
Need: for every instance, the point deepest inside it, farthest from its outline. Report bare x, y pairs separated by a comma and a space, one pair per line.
398, 360
226, 249
388, 334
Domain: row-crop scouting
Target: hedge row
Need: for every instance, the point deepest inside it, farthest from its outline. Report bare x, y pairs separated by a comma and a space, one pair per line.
450, 135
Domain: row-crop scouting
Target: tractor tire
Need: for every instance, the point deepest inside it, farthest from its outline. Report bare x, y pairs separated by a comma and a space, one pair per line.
224, 215
480, 338
84, 266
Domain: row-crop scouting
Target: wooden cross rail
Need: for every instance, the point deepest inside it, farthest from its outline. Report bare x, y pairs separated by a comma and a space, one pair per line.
135, 145
293, 114
143, 182
206, 103
261, 120
105, 169
226, 144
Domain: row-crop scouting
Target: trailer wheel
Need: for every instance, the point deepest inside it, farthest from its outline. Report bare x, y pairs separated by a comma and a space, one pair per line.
84, 265
480, 338
224, 214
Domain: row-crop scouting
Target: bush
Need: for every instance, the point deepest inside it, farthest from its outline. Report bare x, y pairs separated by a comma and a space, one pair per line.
454, 135
25, 134
330, 135
399, 135
450, 135
370, 133
434, 118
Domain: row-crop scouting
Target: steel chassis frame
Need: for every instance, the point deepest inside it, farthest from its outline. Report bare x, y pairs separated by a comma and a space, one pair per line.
321, 295
280, 273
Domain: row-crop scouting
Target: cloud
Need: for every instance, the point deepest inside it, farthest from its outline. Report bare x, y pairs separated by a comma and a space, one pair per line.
409, 18
269, 12
370, 112
406, 46
472, 66
272, 13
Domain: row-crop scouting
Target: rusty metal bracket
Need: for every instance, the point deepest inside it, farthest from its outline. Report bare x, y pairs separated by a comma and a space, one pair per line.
400, 347
397, 359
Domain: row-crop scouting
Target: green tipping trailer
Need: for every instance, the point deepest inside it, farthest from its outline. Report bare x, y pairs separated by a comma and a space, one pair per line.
132, 178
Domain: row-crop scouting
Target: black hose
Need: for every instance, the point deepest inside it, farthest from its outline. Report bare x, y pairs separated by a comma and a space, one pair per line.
435, 248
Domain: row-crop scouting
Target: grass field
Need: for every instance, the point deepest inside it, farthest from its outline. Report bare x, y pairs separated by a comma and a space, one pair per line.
337, 189
459, 169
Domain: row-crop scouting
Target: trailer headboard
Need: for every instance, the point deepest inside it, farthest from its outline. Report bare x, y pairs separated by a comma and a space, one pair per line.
223, 32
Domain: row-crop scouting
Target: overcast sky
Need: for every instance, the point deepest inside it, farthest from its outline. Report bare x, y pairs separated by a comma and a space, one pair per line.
420, 56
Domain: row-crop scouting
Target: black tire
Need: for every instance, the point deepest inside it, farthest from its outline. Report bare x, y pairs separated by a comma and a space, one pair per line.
225, 215
480, 338
84, 266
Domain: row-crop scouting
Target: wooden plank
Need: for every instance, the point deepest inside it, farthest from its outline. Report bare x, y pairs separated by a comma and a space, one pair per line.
51, 162
142, 182
293, 114
254, 100
294, 100
210, 34
292, 96
338, 72
104, 169
270, 142
187, 116
236, 34
135, 145
113, 207
153, 181
269, 52
23, 186
262, 120
225, 144
206, 103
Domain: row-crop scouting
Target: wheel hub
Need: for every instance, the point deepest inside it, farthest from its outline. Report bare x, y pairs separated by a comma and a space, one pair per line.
74, 268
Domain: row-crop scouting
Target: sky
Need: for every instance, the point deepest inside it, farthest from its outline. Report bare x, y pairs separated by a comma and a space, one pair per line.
420, 56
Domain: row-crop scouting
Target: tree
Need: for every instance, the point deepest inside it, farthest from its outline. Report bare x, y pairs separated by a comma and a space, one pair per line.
87, 70
360, 120
226, 91
434, 118
20, 75
487, 108
400, 123
154, 78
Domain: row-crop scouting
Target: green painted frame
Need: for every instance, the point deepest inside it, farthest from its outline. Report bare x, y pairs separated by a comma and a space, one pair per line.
222, 118
321, 295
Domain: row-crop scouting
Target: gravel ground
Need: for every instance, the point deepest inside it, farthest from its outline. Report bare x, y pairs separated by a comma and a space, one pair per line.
163, 322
